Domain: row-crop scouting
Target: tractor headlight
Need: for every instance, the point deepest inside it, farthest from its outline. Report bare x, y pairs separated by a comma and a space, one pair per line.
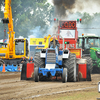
98, 52
43, 50
65, 51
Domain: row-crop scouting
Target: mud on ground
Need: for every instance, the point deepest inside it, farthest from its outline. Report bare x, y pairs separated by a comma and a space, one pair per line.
11, 87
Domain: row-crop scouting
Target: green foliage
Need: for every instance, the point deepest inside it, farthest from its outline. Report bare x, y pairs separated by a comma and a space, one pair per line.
41, 15
23, 20
86, 19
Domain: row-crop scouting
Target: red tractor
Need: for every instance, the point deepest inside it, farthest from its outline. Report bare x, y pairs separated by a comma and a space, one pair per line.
68, 30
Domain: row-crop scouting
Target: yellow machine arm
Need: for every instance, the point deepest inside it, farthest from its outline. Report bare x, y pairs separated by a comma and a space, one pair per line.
47, 41
8, 20
16, 48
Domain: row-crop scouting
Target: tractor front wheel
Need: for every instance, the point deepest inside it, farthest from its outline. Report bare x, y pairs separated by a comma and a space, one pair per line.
64, 75
36, 75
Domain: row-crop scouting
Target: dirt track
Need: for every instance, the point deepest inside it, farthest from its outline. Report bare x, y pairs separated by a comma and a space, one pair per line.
11, 87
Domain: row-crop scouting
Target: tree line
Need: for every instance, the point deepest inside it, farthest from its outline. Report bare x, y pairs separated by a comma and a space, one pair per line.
28, 14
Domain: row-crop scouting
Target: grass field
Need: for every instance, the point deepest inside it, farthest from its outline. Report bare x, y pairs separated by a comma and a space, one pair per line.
79, 95
93, 95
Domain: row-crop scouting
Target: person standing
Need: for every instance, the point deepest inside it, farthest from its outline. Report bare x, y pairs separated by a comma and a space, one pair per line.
31, 59
23, 60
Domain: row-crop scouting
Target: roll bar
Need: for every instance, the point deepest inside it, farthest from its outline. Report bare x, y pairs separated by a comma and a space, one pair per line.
57, 35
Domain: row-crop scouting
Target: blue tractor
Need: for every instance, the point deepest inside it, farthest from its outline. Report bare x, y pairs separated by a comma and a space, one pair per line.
54, 62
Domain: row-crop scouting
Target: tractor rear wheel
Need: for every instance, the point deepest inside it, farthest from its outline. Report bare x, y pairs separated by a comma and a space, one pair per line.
36, 75
70, 64
89, 67
64, 75
39, 62
96, 69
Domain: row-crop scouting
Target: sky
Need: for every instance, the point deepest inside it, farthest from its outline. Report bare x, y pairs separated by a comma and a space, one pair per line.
50, 1
89, 8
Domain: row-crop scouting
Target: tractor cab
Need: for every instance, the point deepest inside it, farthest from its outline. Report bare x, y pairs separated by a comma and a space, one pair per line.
21, 48
2, 44
88, 41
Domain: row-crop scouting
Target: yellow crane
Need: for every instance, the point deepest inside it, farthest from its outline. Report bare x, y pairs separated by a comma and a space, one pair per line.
16, 48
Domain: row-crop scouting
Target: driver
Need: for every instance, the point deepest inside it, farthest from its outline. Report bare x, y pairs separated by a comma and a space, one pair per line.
92, 43
54, 43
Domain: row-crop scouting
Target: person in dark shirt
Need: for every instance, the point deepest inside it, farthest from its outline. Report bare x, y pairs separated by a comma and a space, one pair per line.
23, 60
31, 60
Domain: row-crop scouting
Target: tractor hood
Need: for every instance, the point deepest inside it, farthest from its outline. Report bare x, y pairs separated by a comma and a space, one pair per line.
95, 49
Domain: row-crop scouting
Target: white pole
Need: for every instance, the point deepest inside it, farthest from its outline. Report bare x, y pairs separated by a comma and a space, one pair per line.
99, 87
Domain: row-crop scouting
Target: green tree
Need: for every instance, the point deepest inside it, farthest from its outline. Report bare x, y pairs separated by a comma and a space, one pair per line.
24, 21
90, 24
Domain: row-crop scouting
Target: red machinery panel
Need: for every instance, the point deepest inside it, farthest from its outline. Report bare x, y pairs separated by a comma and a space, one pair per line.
30, 70
82, 71
72, 43
67, 25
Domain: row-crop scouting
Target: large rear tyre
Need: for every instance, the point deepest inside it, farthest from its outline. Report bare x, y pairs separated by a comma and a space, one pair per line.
23, 72
89, 67
70, 64
39, 62
89, 62
36, 75
64, 75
